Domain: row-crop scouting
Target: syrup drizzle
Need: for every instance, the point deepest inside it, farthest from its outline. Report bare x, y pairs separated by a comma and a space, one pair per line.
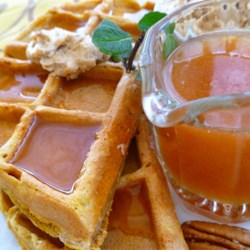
17, 87
55, 152
131, 211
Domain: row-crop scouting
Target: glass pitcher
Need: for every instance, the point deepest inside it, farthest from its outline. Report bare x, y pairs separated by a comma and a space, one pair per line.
198, 100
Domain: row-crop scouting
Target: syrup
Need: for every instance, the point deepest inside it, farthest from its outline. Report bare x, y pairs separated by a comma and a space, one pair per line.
55, 152
211, 156
20, 87
131, 211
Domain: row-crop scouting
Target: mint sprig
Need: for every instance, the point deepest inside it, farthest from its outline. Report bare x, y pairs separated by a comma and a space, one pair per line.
170, 42
113, 41
169, 29
150, 19
169, 45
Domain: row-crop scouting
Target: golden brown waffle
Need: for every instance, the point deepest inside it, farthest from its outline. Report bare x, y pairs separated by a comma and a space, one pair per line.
89, 122
142, 215
45, 134
88, 14
68, 16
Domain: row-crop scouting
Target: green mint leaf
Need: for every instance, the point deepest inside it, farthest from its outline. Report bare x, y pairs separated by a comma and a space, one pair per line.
170, 28
170, 44
150, 19
111, 40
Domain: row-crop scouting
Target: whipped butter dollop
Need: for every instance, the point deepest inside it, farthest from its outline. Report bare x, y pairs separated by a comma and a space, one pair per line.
64, 53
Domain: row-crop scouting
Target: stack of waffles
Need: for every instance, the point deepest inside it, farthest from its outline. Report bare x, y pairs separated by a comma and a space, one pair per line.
77, 167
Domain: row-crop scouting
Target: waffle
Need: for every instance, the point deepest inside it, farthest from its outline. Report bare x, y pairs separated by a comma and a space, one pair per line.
88, 14
48, 118
142, 215
96, 135
68, 16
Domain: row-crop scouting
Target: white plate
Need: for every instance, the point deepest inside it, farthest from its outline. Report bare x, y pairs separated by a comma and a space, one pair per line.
7, 239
